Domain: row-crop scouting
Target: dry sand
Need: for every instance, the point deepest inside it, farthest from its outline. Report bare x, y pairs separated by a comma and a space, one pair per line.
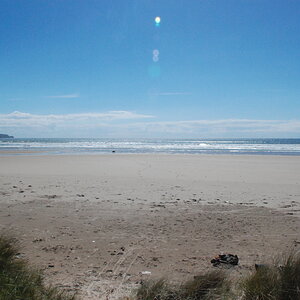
95, 222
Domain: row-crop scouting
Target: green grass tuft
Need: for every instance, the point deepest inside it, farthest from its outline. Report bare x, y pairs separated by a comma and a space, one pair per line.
279, 282
20, 282
158, 290
212, 285
206, 286
290, 277
261, 285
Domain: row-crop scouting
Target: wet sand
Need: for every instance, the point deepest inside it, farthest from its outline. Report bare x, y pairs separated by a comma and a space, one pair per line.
94, 223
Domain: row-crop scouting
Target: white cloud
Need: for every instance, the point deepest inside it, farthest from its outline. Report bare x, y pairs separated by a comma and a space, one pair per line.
131, 124
21, 119
219, 128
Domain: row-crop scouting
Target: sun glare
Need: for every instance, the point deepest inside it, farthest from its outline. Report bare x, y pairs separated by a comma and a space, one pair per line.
157, 20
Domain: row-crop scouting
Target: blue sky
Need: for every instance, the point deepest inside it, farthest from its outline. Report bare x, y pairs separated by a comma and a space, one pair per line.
86, 68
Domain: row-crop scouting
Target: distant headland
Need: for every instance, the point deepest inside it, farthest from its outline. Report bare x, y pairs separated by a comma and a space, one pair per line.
6, 136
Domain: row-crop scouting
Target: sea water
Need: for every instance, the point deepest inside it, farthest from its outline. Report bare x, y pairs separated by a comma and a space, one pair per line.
187, 146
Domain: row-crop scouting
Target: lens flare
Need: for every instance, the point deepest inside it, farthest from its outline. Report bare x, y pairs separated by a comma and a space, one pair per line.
157, 20
155, 58
155, 52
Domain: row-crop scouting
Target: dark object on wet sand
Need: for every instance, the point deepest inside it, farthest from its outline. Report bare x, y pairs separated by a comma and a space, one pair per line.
228, 259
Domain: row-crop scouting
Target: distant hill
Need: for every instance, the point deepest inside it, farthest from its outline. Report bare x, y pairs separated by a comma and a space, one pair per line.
5, 136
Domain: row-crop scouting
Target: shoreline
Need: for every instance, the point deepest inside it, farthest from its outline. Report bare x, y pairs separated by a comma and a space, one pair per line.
32, 153
98, 146
95, 222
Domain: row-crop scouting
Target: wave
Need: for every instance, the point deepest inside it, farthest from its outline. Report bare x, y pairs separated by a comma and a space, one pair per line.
255, 146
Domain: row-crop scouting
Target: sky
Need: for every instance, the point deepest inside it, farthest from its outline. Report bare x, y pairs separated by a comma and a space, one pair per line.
111, 68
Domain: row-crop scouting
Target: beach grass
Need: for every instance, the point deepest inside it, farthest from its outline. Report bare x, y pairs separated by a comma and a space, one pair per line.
211, 285
277, 281
20, 281
280, 281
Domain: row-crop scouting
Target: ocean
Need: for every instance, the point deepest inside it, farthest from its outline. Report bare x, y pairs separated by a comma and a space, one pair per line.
26, 146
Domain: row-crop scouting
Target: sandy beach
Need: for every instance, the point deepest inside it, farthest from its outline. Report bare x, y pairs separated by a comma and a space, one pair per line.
98, 223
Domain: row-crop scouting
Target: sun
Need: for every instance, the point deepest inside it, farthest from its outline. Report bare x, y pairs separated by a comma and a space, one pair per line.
157, 20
